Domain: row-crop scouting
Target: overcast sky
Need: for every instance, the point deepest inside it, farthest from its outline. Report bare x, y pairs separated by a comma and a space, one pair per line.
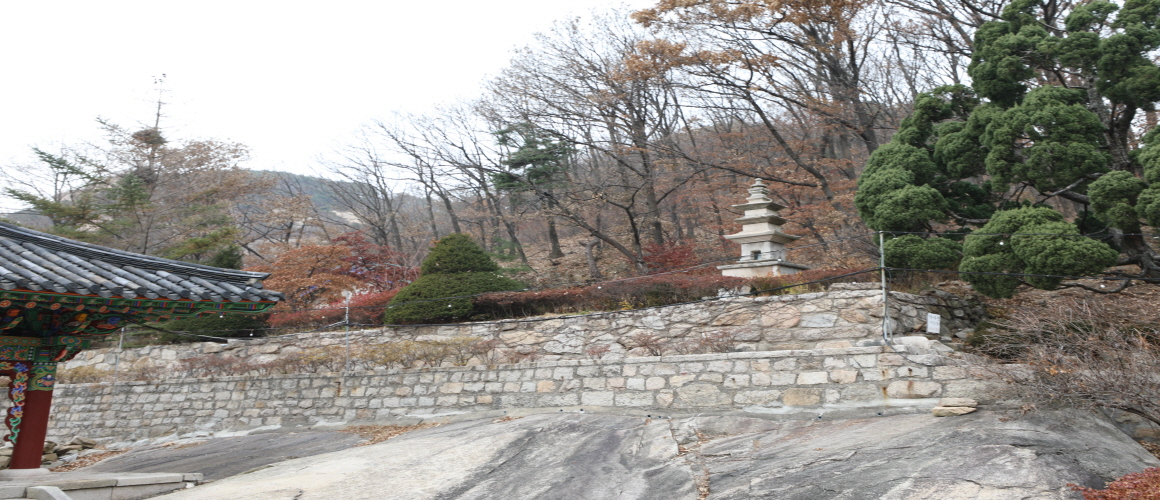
291, 81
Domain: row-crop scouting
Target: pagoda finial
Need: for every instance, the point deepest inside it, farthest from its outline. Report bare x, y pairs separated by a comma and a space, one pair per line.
758, 193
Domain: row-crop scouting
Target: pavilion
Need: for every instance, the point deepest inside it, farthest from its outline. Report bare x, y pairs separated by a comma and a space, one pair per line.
57, 295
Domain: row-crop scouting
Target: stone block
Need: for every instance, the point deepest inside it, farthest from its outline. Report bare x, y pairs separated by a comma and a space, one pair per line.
700, 395
831, 363
843, 376
802, 397
911, 371
782, 378
818, 320
633, 399
736, 381
780, 316
680, 380
712, 377
854, 315
757, 397
760, 379
634, 384
912, 389
593, 382
785, 364
451, 388
864, 360
833, 396
560, 400
654, 383
890, 359
812, 378
147, 478
665, 398
720, 366
545, 386
967, 402
45, 493
951, 411
598, 398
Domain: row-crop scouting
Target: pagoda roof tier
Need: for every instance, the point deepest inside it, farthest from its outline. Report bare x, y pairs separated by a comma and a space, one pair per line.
759, 205
757, 219
774, 236
44, 264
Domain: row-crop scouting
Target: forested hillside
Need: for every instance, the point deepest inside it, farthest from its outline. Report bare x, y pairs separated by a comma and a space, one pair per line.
615, 145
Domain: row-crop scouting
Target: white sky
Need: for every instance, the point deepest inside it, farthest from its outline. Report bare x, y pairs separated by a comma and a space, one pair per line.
292, 83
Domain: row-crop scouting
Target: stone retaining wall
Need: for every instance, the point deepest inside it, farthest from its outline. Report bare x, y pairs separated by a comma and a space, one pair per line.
849, 312
818, 382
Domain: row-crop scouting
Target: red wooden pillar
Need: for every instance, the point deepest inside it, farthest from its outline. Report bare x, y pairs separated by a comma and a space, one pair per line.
29, 448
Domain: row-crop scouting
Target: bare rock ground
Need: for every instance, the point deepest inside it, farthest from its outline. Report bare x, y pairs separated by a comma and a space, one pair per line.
575, 456
220, 458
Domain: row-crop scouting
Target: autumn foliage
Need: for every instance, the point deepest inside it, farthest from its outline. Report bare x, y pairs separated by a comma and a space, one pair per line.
1143, 485
314, 277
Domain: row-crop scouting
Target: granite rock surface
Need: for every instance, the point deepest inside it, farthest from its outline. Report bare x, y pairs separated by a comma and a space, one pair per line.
986, 454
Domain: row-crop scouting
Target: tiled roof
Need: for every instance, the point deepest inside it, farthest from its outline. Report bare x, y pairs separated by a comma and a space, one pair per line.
36, 261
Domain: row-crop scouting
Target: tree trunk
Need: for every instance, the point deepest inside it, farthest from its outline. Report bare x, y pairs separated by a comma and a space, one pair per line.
431, 214
554, 239
589, 252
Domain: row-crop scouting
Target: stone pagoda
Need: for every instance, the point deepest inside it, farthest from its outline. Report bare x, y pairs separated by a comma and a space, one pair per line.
761, 239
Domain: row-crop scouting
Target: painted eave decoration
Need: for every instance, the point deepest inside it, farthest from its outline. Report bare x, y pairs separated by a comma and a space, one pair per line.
80, 289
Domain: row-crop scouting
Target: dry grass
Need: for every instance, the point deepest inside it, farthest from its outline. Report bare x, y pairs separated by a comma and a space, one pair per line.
86, 461
375, 434
1152, 448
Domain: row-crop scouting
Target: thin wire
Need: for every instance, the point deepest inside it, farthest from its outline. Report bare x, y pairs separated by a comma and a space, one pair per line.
952, 234
1030, 275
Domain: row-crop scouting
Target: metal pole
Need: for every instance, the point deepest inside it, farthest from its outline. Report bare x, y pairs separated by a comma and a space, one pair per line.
117, 362
346, 328
886, 334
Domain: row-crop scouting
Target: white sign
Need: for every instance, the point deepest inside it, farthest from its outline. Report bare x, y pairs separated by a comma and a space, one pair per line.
933, 322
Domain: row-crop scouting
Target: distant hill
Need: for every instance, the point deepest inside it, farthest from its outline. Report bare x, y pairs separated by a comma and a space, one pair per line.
312, 186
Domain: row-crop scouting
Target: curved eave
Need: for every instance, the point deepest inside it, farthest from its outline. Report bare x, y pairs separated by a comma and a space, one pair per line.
158, 306
90, 251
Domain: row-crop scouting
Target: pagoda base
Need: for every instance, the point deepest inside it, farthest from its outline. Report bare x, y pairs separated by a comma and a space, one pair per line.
761, 268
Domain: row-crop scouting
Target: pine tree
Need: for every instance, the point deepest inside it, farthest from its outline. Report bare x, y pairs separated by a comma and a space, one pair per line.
1050, 115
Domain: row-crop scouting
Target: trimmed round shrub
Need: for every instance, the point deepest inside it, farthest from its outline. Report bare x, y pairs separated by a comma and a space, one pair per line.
1034, 241
912, 252
455, 270
457, 253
